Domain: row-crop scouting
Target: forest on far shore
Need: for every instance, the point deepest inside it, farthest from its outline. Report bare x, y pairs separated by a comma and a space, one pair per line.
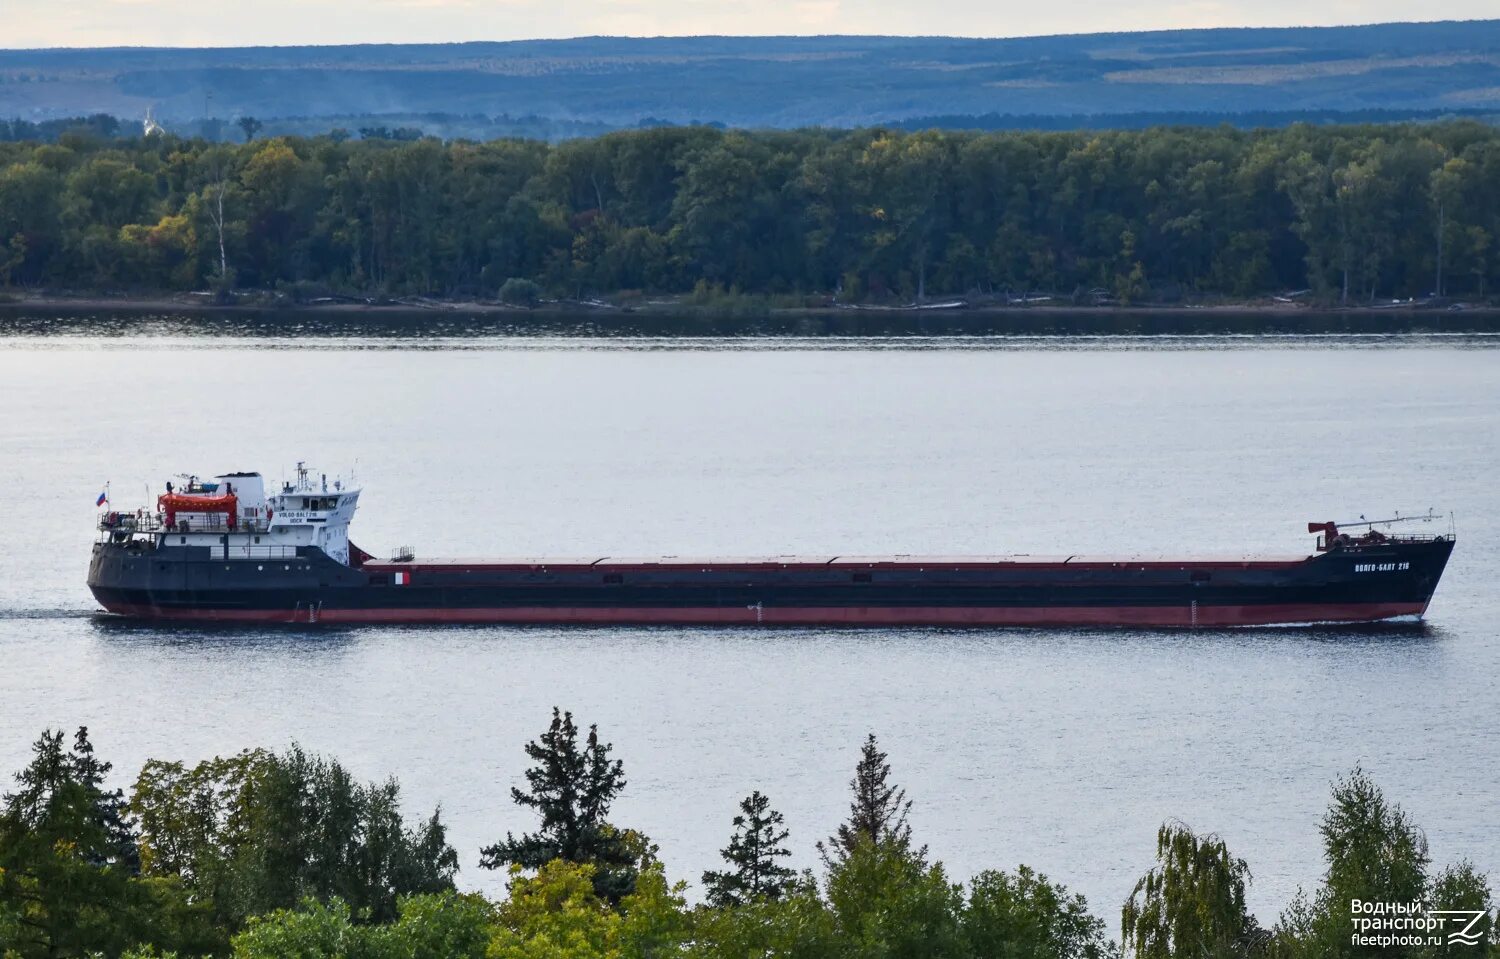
1338, 214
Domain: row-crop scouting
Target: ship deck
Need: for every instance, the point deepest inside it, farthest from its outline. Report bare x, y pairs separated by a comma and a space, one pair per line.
561, 564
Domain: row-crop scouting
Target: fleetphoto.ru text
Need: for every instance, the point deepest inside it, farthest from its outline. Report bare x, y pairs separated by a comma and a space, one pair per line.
1384, 924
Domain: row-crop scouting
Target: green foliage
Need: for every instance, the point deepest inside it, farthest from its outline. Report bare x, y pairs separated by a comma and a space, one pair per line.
445, 925
1375, 854
517, 291
887, 901
1461, 887
1374, 851
799, 925
435, 926
754, 853
572, 789
877, 813
1192, 902
655, 919
1353, 212
185, 868
1023, 916
882, 901
555, 914
69, 863
258, 832
314, 931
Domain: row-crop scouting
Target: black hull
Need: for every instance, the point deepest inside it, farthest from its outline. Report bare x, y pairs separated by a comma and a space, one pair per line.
1358, 584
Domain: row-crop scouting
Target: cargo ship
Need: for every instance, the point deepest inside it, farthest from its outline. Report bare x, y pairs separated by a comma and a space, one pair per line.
223, 550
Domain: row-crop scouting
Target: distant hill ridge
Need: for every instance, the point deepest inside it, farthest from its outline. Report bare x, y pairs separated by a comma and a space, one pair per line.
608, 82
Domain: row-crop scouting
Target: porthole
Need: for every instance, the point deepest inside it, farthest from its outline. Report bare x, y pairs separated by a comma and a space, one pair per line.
260, 568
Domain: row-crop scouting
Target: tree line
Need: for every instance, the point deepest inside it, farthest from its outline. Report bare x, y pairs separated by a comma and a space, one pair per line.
1353, 214
268, 855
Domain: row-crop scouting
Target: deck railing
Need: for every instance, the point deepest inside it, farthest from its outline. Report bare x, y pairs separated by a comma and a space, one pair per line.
143, 522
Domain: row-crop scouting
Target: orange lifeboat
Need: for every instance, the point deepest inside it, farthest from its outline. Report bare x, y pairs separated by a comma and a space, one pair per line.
173, 503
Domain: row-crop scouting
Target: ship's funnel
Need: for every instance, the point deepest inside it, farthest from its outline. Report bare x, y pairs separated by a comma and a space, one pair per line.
248, 489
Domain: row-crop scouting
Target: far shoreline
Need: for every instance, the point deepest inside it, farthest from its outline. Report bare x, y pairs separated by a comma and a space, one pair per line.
669, 316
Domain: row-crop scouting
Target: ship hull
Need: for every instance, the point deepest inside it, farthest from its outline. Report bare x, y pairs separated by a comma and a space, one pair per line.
857, 616
1391, 581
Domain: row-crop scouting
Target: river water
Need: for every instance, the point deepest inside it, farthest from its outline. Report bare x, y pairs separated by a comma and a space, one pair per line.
1061, 749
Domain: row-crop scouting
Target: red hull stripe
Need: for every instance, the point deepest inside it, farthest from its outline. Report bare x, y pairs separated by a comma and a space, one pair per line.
1266, 615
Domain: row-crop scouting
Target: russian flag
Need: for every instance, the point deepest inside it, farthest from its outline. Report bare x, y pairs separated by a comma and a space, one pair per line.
103, 498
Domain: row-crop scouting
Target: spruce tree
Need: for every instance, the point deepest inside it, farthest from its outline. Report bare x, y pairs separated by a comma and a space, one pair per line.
572, 788
109, 805
68, 858
753, 851
877, 814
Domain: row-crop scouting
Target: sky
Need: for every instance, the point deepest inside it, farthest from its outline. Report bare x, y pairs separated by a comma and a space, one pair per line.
93, 23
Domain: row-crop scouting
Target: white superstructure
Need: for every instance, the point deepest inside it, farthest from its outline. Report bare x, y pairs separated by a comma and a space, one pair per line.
307, 511
314, 513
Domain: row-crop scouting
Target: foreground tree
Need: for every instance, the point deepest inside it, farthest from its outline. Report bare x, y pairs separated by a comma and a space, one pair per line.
68, 864
1191, 903
437, 926
888, 901
877, 813
799, 925
655, 919
1375, 854
754, 854
259, 832
555, 913
61, 872
1024, 915
1462, 887
572, 787
109, 811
